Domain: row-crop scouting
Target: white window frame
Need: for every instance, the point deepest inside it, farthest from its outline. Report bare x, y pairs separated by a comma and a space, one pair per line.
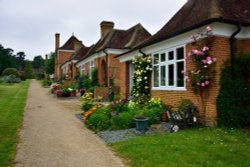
166, 63
82, 71
91, 67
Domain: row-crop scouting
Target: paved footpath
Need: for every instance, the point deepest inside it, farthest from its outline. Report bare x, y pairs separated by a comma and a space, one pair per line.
52, 136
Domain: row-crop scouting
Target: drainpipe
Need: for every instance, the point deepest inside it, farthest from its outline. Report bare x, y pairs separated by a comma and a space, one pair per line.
232, 48
142, 52
105, 52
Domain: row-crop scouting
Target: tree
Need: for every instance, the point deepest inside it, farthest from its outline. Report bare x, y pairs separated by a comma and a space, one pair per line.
50, 65
20, 59
7, 59
38, 62
28, 70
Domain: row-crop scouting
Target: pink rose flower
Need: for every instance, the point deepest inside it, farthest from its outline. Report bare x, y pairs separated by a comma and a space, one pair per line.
209, 29
195, 36
202, 84
205, 66
205, 48
214, 59
206, 82
198, 83
197, 72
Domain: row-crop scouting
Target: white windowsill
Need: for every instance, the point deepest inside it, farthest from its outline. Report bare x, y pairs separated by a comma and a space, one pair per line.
169, 89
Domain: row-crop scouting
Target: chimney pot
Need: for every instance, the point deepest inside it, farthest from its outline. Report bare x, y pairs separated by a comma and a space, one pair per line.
106, 27
57, 40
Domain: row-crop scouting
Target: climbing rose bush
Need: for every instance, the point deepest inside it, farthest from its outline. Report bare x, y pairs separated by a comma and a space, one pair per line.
143, 68
201, 76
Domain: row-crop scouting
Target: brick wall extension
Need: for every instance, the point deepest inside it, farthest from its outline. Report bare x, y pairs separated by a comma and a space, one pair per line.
61, 58
221, 50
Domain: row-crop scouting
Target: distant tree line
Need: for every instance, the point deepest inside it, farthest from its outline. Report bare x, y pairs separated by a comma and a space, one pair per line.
26, 68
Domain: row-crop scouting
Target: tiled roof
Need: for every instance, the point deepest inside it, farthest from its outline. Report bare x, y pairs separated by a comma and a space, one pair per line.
197, 13
120, 39
69, 45
81, 52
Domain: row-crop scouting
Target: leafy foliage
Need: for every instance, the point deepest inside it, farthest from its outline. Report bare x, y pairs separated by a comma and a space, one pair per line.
28, 70
50, 65
233, 101
10, 71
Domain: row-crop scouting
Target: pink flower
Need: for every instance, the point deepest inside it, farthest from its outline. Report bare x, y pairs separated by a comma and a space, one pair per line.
195, 36
204, 61
214, 59
202, 84
209, 29
209, 60
205, 48
197, 72
205, 66
206, 82
198, 83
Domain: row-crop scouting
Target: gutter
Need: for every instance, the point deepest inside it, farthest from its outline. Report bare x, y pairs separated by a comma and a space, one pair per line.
144, 54
232, 48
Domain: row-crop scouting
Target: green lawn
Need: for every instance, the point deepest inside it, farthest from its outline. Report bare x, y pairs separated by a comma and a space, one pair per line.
12, 103
190, 148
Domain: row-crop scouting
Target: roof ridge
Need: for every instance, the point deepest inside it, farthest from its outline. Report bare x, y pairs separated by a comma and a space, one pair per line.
133, 35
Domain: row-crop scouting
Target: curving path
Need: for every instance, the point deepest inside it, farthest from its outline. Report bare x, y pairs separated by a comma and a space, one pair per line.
52, 136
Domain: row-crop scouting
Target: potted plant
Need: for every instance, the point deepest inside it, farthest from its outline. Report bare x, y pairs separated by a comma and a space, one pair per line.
141, 122
66, 92
73, 93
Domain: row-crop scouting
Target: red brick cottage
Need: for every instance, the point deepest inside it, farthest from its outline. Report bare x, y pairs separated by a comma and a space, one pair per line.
65, 53
169, 47
102, 55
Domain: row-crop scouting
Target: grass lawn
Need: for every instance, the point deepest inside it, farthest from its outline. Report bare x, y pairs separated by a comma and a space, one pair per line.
202, 147
12, 103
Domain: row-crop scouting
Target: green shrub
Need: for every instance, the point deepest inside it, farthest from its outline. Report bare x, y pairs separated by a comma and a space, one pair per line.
11, 79
98, 121
154, 114
123, 121
46, 82
10, 71
233, 100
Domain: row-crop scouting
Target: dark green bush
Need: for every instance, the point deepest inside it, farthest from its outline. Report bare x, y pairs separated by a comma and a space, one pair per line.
98, 121
154, 114
46, 82
233, 102
10, 71
123, 121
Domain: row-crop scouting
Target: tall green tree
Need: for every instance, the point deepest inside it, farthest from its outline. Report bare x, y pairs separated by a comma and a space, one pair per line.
21, 60
7, 59
28, 70
50, 65
38, 62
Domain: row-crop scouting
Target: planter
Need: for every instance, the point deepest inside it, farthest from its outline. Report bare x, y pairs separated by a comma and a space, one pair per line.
141, 123
73, 94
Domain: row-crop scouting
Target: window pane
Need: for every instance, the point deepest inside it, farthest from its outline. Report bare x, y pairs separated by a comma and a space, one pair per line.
163, 75
163, 57
180, 53
180, 74
156, 58
171, 55
156, 76
171, 75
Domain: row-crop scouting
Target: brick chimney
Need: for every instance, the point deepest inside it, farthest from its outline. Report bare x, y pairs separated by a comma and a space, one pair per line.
106, 27
57, 40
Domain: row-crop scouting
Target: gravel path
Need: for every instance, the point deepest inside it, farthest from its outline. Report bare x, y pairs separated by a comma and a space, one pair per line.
52, 136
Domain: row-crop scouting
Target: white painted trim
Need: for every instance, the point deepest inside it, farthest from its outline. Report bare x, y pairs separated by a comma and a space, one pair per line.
219, 29
169, 89
63, 50
65, 65
116, 51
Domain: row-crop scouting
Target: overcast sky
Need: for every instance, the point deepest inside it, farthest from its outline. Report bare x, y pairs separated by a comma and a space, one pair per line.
30, 25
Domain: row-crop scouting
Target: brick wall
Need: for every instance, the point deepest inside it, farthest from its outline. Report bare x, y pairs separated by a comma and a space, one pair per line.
61, 58
221, 50
243, 46
124, 79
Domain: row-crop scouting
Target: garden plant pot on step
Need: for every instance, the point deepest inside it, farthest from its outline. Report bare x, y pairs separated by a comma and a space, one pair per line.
141, 123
